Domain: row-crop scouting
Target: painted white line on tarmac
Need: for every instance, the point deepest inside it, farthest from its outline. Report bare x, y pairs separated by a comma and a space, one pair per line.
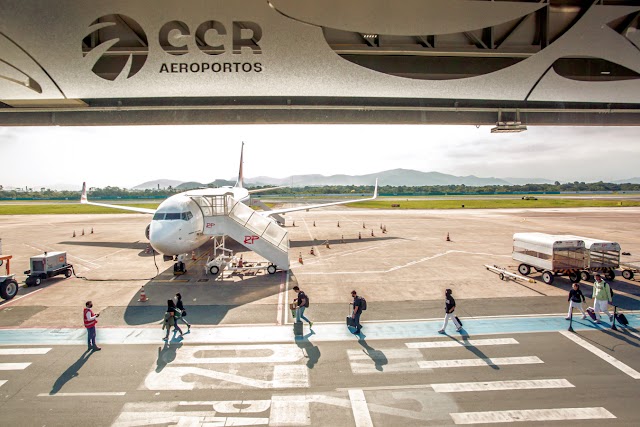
601, 354
106, 393
500, 385
457, 343
18, 351
2, 382
558, 414
461, 363
13, 366
7, 303
360, 409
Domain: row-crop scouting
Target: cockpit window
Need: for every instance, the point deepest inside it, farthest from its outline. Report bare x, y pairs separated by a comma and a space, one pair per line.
186, 216
172, 215
158, 216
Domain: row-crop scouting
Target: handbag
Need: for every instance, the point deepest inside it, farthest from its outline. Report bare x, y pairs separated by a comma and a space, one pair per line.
184, 313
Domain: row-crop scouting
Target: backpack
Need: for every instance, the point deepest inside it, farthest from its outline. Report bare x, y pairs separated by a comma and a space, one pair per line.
363, 304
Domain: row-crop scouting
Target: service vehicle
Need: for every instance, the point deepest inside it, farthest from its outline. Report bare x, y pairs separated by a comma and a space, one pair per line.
550, 255
8, 284
47, 265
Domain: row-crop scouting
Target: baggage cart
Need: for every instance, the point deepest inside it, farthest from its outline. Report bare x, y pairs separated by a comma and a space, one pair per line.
603, 257
549, 255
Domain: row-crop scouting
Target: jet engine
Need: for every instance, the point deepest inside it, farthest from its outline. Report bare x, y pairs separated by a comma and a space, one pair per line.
147, 231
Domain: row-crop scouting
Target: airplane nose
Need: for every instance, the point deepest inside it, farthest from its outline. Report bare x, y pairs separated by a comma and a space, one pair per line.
164, 237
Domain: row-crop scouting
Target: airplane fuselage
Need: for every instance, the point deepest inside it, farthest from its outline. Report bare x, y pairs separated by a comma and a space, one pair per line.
177, 225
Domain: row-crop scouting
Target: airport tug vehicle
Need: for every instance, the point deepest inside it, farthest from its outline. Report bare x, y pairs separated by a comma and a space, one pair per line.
550, 255
47, 265
8, 284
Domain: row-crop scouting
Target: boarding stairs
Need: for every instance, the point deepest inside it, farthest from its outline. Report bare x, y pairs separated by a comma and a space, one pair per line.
256, 202
223, 216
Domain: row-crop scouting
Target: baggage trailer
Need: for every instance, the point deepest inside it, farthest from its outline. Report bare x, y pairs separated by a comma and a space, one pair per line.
602, 257
549, 255
630, 269
47, 265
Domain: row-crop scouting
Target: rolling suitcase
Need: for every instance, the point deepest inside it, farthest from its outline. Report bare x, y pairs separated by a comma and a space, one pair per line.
622, 319
297, 329
459, 321
350, 321
591, 313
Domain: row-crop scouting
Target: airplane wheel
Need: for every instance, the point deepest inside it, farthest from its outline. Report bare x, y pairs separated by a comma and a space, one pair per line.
8, 289
585, 276
547, 277
627, 274
524, 269
214, 270
271, 269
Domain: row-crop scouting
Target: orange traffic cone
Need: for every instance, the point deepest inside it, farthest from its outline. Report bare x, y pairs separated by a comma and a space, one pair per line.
74, 233
91, 230
83, 231
143, 296
338, 224
448, 239
294, 223
363, 226
300, 258
328, 247
314, 223
311, 252
342, 239
193, 255
359, 236
372, 233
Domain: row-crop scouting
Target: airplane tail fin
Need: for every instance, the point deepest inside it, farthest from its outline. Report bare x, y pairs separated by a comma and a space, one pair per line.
375, 190
240, 182
83, 198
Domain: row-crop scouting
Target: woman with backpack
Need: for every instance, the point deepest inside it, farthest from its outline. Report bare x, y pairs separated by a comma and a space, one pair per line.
183, 312
171, 317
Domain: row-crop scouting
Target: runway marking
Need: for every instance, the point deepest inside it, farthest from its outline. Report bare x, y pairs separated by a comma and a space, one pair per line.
241, 354
501, 385
359, 250
7, 303
461, 363
13, 366
398, 267
360, 409
281, 300
106, 393
531, 415
2, 382
11, 351
457, 343
389, 360
601, 354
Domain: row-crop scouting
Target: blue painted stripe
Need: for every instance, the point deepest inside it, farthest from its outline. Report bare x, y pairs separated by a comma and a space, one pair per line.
321, 332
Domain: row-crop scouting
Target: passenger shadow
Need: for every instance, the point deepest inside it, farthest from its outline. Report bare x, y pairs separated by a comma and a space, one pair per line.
475, 350
310, 351
377, 356
167, 354
71, 372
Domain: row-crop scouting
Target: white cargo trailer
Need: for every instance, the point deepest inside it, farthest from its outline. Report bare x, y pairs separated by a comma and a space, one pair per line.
602, 257
549, 255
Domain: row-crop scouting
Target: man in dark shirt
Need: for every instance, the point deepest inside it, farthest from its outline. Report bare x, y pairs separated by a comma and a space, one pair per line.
303, 303
357, 311
449, 308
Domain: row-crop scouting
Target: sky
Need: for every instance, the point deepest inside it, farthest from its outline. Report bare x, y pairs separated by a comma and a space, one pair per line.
130, 155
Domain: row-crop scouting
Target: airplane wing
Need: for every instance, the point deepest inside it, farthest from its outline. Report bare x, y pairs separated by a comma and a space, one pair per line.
85, 201
322, 205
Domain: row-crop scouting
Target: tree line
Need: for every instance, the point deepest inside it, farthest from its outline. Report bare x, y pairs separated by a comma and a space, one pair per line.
123, 193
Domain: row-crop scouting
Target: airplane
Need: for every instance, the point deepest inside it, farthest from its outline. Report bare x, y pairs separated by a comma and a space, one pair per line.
185, 221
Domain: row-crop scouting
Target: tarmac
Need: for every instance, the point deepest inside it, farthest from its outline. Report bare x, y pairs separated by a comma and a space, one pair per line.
240, 364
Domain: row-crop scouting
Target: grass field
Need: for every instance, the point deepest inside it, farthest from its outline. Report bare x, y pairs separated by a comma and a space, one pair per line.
492, 204
50, 209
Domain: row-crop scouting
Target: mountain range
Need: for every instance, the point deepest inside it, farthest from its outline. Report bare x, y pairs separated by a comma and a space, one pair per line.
394, 177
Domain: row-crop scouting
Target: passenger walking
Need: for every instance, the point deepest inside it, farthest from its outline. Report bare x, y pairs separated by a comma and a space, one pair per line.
302, 302
449, 308
576, 298
171, 319
90, 321
183, 312
601, 298
359, 304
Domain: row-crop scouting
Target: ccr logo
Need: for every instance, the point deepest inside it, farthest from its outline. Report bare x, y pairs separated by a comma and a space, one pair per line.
115, 45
